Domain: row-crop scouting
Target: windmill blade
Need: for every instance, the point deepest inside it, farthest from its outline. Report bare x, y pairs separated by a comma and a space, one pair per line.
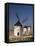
24, 20
17, 16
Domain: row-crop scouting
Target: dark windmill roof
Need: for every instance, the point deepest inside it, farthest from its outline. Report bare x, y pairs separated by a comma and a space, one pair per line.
18, 24
26, 26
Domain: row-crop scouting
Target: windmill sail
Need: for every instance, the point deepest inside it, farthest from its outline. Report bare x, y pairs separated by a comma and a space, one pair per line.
17, 17
25, 20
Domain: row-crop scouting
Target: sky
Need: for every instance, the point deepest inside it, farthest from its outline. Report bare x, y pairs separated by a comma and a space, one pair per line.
23, 11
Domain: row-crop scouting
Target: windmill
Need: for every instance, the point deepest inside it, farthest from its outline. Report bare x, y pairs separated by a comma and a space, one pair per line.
18, 26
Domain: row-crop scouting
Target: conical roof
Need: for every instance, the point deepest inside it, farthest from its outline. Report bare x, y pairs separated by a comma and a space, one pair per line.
26, 26
18, 24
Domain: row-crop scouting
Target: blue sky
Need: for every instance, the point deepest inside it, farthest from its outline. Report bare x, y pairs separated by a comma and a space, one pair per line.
23, 11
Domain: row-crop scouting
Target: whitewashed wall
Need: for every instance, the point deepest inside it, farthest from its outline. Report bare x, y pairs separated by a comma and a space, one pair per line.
29, 29
16, 30
24, 30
